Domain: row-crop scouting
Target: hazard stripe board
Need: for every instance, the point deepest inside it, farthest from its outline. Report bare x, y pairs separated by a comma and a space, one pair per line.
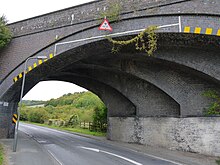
30, 68
14, 118
199, 30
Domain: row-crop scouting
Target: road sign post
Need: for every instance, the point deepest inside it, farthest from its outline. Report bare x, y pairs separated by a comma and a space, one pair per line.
21, 96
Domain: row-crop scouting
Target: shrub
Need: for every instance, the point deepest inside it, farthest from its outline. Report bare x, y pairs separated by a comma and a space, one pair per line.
100, 115
38, 115
5, 33
214, 107
24, 115
113, 11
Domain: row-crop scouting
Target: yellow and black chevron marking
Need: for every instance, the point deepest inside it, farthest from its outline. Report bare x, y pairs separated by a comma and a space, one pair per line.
14, 118
199, 30
29, 68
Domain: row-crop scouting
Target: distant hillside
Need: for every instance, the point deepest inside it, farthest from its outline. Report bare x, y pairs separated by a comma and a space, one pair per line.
85, 100
85, 106
32, 102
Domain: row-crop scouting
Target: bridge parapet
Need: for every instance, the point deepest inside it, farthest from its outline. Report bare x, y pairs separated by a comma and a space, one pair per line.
90, 12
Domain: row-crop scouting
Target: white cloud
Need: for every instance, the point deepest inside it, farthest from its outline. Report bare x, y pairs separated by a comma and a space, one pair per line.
46, 90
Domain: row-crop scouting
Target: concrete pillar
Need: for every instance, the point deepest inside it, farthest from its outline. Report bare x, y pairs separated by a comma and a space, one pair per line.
4, 116
6, 126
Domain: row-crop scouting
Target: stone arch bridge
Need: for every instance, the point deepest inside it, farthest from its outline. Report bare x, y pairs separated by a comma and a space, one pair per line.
151, 100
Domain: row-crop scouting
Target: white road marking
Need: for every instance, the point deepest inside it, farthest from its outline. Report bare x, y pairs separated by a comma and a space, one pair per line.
55, 157
176, 163
164, 159
109, 153
91, 149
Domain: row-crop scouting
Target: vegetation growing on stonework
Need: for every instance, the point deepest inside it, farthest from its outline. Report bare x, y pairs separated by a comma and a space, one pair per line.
112, 13
5, 33
214, 108
144, 41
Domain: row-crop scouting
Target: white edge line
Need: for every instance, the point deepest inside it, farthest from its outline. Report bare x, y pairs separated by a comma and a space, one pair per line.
163, 159
160, 158
55, 157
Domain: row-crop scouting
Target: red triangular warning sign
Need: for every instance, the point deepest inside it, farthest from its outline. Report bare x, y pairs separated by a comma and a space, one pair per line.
105, 25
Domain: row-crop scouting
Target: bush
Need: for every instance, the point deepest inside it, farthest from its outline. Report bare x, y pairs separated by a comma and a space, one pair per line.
38, 115
100, 115
214, 107
5, 33
24, 115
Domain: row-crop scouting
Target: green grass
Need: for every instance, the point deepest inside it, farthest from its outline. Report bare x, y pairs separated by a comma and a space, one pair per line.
218, 162
74, 130
1, 154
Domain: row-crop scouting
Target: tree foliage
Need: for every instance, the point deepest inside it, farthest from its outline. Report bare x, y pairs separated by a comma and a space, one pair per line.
100, 115
214, 107
38, 115
70, 108
5, 33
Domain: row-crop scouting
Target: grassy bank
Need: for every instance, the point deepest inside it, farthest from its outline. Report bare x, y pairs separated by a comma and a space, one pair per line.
1, 154
74, 130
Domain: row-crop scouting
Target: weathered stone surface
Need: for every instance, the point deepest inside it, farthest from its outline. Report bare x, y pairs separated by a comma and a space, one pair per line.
199, 135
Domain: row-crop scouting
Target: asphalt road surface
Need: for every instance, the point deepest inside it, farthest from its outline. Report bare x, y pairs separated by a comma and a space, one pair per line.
70, 149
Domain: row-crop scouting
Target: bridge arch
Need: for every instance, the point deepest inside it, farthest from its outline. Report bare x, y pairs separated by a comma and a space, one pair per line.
133, 63
185, 65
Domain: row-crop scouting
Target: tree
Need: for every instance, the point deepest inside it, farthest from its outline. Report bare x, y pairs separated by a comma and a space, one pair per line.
100, 115
38, 115
5, 33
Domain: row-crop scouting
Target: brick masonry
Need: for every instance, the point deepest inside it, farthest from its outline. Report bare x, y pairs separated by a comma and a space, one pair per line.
132, 85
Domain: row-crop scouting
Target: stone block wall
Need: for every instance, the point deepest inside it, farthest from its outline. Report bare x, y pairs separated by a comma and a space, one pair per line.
197, 135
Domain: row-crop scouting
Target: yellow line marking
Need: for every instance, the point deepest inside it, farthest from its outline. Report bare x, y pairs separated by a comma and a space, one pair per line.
40, 62
187, 29
208, 31
197, 30
20, 75
218, 33
35, 65
29, 68
51, 55
45, 60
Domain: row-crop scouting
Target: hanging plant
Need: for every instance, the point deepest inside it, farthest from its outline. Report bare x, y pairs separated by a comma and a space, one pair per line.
144, 41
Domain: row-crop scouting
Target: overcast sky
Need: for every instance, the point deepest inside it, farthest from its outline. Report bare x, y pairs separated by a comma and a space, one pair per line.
16, 10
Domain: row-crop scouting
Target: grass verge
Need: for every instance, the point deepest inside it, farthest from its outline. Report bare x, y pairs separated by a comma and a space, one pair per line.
218, 162
74, 130
1, 154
